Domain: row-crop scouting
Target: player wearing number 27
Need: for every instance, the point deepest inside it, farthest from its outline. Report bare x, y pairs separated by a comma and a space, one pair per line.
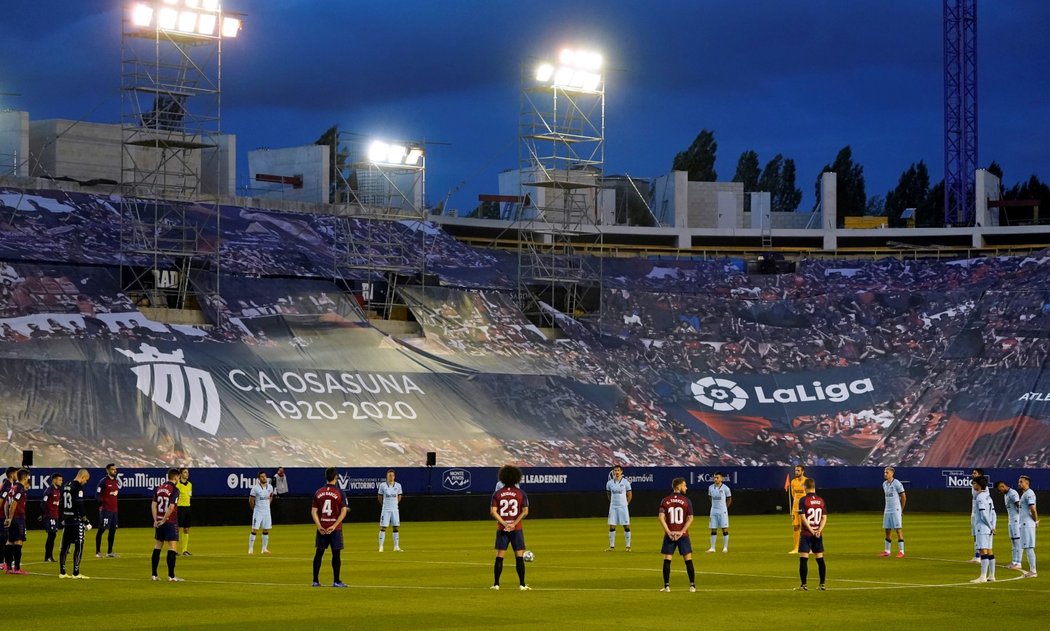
164, 510
676, 514
813, 514
508, 507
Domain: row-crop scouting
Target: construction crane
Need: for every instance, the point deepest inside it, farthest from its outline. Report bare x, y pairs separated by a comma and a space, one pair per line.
960, 110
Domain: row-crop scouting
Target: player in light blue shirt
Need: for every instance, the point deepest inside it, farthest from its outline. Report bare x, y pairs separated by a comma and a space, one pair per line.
1013, 521
985, 529
618, 489
259, 499
389, 498
976, 473
1029, 521
892, 516
721, 500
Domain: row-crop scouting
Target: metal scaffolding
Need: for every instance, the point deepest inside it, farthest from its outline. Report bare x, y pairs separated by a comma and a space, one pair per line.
960, 111
561, 140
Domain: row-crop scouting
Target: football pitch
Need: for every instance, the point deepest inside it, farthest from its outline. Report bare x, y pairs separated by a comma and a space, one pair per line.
442, 581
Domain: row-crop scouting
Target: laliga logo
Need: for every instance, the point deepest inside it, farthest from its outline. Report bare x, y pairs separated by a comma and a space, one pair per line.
722, 395
188, 393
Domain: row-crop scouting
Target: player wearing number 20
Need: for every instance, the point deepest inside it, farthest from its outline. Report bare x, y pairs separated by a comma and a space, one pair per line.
509, 506
814, 516
676, 514
166, 523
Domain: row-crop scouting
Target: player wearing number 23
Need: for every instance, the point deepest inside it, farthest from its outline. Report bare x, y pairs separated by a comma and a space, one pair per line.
508, 507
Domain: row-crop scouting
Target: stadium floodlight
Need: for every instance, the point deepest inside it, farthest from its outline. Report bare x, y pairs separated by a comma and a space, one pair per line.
415, 154
188, 18
577, 70
380, 152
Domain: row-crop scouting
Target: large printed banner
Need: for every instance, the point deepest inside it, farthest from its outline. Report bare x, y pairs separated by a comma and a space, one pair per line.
364, 481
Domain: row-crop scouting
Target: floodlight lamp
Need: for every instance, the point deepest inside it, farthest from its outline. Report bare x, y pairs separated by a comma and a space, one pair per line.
211, 5
592, 82
563, 77
188, 21
193, 4
167, 19
567, 57
396, 155
206, 24
589, 61
230, 26
171, 1
415, 154
378, 151
544, 73
141, 15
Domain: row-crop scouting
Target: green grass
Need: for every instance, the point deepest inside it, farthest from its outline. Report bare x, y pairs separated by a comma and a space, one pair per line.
442, 580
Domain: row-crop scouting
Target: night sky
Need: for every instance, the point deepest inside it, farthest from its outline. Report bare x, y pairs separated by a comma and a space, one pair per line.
797, 78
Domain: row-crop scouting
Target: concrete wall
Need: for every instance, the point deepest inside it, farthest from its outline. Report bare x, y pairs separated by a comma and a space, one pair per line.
702, 207
309, 161
219, 167
14, 143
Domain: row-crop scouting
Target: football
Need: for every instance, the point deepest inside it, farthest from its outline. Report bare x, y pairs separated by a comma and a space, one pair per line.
529, 556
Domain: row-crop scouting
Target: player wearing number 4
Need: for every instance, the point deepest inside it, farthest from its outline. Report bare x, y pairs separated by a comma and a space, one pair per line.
509, 506
813, 514
390, 498
164, 510
721, 500
259, 499
328, 512
676, 514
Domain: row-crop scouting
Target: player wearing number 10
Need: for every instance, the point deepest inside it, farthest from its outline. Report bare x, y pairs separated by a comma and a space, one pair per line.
164, 511
509, 506
814, 516
676, 514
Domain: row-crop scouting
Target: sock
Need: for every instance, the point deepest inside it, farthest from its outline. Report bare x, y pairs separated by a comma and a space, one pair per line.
98, 541
691, 572
991, 566
821, 569
497, 569
3, 546
714, 538
337, 564
900, 545
397, 539
155, 561
318, 555
266, 541
798, 534
984, 566
803, 569
886, 548
251, 542
667, 572
1015, 552
519, 565
612, 538
9, 556
1030, 553
725, 541
78, 554
172, 555
49, 547
627, 536
112, 536
185, 541
382, 538
18, 557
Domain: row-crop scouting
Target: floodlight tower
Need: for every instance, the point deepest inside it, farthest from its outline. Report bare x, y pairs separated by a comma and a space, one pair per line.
960, 110
381, 182
561, 167
171, 76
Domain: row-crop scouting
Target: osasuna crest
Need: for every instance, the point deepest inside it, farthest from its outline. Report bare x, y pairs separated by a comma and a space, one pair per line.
719, 394
188, 393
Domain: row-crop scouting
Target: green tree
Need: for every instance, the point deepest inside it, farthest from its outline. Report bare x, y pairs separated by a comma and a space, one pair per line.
787, 196
747, 173
931, 213
699, 158
875, 206
851, 199
912, 191
770, 178
1031, 189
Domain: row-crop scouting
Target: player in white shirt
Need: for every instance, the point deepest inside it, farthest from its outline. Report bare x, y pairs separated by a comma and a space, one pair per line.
892, 516
389, 498
1013, 521
721, 500
619, 491
1029, 521
259, 499
984, 529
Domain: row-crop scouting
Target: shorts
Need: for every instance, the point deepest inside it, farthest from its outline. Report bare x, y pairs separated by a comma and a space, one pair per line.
810, 544
333, 540
619, 516
515, 539
683, 545
719, 520
983, 541
17, 530
1014, 530
166, 532
52, 524
107, 519
185, 520
1027, 536
390, 518
892, 520
73, 532
263, 521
